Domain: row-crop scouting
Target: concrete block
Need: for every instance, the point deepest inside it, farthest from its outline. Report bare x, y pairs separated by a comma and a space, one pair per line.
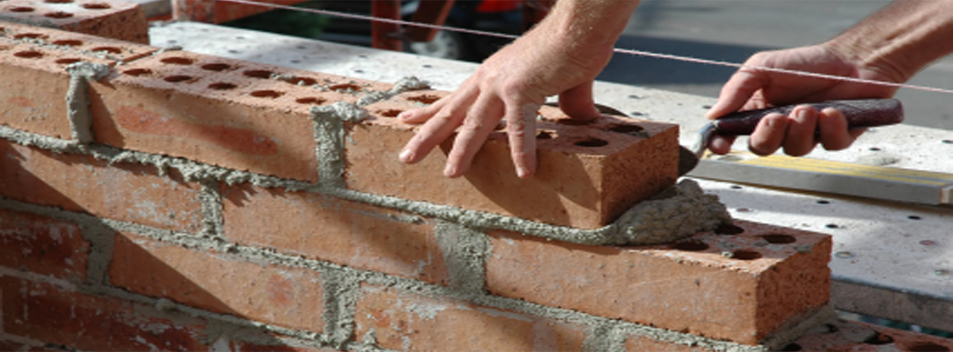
114, 19
288, 297
742, 285
588, 175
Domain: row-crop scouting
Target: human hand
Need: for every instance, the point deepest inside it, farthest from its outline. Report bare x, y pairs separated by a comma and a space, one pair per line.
510, 85
752, 88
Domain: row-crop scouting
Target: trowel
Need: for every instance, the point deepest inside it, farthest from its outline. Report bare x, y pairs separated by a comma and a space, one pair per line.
859, 113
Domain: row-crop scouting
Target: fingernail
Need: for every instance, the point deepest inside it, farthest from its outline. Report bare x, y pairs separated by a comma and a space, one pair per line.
802, 114
403, 115
522, 171
406, 155
449, 171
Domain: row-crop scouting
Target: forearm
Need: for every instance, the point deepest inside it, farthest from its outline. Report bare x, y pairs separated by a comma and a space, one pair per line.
900, 39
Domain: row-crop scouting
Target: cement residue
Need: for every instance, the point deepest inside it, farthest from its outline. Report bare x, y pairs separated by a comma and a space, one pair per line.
465, 252
329, 136
341, 290
672, 215
406, 84
77, 98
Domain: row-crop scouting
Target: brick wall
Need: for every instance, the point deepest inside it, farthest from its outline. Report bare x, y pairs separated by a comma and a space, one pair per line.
222, 204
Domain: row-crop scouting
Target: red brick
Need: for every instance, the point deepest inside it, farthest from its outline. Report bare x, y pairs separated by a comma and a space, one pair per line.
57, 316
408, 321
689, 287
290, 297
580, 182
35, 86
105, 18
331, 229
230, 11
42, 245
121, 191
277, 346
217, 111
81, 45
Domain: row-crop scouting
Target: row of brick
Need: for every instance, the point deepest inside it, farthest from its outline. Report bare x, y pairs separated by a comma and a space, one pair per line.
110, 19
690, 286
256, 117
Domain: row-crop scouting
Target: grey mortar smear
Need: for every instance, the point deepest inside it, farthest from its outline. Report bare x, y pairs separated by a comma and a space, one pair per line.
77, 98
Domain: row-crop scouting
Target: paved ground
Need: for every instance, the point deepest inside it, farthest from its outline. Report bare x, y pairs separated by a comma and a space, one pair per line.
733, 30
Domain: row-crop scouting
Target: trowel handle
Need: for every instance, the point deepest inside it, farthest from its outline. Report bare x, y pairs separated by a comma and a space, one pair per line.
859, 113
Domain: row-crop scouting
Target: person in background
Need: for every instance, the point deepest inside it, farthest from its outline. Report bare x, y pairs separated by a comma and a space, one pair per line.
564, 53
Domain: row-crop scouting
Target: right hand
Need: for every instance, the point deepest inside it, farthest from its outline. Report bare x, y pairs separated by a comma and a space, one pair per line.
752, 88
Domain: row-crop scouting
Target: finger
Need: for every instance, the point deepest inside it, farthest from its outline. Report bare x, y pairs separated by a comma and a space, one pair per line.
521, 130
769, 135
481, 119
833, 130
437, 129
735, 93
578, 104
800, 138
721, 144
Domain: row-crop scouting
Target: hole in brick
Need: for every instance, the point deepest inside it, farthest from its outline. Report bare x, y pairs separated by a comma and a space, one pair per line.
67, 42
574, 122
310, 101
176, 79
792, 347
301, 81
58, 1
879, 339
690, 246
831, 328
20, 9
216, 67
592, 143
177, 61
545, 134
29, 54
68, 61
345, 86
29, 36
258, 74
108, 49
928, 347
914, 217
96, 6
424, 99
779, 239
137, 72
389, 113
745, 255
728, 229
266, 94
222, 86
59, 14
626, 129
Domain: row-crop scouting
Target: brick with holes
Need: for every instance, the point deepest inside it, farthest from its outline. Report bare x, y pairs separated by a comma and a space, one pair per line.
588, 173
740, 283
219, 111
114, 19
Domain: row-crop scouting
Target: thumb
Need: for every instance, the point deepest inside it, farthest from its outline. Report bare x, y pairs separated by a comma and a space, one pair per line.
736, 92
578, 104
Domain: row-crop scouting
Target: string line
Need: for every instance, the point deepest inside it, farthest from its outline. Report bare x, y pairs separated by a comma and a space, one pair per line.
617, 50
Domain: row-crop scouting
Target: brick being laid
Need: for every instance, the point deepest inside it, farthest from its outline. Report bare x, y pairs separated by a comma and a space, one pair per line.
114, 19
742, 283
588, 174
